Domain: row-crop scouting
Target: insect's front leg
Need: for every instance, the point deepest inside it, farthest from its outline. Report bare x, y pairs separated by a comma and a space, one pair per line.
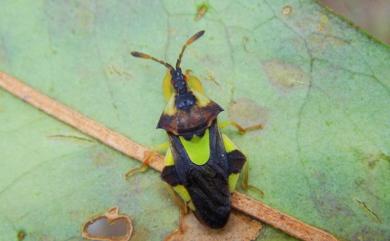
148, 157
242, 130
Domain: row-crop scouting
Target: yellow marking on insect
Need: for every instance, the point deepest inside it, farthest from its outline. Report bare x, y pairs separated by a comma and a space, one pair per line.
168, 90
183, 193
191, 205
168, 160
198, 148
193, 82
229, 145
201, 99
232, 181
170, 108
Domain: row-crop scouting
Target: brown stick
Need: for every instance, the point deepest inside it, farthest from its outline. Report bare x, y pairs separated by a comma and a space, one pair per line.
241, 202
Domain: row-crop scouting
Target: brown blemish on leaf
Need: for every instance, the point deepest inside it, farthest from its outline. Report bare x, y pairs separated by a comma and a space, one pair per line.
287, 10
373, 159
284, 75
201, 10
323, 25
21, 235
108, 227
247, 114
100, 158
239, 227
323, 38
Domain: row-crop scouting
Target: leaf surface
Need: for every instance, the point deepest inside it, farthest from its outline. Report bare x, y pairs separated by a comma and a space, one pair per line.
323, 155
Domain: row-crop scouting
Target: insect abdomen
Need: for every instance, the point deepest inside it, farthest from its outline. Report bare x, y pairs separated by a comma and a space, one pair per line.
210, 195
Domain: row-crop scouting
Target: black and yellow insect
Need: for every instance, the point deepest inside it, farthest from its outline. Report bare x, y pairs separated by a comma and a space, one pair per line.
202, 164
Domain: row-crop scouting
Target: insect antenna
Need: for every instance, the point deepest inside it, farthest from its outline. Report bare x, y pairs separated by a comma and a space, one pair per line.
188, 42
146, 56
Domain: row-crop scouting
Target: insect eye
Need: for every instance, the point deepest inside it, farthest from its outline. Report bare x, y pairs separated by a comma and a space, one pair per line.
185, 101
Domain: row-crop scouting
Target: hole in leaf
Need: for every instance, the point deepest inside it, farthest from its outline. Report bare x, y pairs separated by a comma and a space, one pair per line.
109, 227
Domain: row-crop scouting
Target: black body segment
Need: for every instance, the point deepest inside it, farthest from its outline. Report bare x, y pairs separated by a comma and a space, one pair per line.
206, 184
236, 161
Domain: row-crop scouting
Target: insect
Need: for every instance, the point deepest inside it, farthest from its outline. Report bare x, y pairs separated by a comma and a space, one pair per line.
201, 164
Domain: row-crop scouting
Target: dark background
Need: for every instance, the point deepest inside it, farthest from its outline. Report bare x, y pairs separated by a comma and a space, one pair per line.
370, 15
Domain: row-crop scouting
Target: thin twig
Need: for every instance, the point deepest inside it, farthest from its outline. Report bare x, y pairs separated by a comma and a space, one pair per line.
245, 204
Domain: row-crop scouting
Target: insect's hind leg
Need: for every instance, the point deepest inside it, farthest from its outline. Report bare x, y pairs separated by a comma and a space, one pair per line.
182, 205
148, 157
244, 182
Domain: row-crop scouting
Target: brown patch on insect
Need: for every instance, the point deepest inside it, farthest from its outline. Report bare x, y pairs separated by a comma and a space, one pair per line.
284, 75
184, 122
287, 10
108, 227
247, 115
239, 227
201, 10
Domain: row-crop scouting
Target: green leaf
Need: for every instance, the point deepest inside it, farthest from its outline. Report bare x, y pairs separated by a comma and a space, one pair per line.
323, 155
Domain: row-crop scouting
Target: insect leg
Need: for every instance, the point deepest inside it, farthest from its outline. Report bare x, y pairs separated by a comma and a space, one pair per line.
242, 130
238, 163
182, 205
148, 157
244, 183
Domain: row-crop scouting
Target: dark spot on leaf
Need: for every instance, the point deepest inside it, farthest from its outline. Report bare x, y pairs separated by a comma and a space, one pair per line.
284, 75
247, 113
21, 235
111, 226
